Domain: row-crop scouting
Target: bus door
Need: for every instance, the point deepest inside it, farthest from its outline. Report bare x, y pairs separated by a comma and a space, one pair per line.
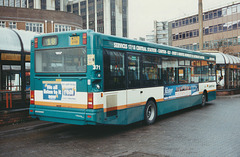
134, 91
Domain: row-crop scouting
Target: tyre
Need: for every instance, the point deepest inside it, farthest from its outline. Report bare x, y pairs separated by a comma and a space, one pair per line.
150, 112
204, 99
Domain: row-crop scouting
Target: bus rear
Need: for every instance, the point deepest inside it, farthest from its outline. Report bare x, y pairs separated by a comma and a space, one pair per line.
62, 87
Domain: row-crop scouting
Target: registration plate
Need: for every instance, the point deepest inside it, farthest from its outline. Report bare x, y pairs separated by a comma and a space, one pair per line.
74, 40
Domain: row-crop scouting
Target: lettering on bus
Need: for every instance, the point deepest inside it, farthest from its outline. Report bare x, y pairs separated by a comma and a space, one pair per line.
155, 50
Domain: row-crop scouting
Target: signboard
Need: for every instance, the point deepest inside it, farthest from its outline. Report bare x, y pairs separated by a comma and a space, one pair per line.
172, 92
57, 90
74, 40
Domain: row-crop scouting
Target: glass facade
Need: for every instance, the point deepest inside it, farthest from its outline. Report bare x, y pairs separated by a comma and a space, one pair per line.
83, 10
113, 17
100, 16
91, 14
125, 17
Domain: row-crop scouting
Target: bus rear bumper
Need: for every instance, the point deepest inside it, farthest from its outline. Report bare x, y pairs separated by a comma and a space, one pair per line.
66, 115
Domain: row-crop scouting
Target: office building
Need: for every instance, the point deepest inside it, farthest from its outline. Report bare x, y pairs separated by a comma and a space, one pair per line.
159, 34
221, 30
104, 16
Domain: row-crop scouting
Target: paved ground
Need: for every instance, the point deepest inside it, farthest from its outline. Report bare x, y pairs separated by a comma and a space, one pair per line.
202, 132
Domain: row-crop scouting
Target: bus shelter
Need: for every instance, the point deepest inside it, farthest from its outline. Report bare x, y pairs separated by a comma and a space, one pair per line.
227, 71
14, 68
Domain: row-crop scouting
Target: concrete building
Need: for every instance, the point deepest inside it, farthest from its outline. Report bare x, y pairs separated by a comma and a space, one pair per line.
221, 30
104, 16
160, 33
31, 15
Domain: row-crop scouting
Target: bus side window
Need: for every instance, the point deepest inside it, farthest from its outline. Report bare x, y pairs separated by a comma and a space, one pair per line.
114, 70
133, 71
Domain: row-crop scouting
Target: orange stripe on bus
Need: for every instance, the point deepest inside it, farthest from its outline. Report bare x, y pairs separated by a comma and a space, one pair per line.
68, 105
158, 100
98, 106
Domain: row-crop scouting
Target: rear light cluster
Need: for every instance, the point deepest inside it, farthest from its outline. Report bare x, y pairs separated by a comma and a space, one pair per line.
32, 97
84, 39
35, 42
90, 101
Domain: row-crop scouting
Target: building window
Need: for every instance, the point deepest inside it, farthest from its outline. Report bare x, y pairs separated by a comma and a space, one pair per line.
229, 10
69, 8
219, 12
57, 5
234, 25
5, 2
43, 4
215, 29
1, 2
30, 3
234, 9
62, 28
13, 25
23, 3
206, 16
76, 8
17, 3
2, 24
210, 15
220, 28
11, 3
34, 27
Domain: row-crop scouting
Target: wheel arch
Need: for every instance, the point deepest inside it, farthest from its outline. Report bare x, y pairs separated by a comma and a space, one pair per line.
154, 100
206, 93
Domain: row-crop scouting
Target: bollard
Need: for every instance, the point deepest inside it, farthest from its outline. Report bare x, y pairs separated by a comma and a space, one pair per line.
10, 100
6, 100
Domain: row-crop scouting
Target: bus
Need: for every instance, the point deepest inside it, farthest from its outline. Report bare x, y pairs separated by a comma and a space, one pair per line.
86, 78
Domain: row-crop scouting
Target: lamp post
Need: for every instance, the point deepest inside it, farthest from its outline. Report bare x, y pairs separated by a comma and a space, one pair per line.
200, 20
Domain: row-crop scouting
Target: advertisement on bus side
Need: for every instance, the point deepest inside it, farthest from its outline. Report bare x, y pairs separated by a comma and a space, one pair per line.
176, 91
53, 90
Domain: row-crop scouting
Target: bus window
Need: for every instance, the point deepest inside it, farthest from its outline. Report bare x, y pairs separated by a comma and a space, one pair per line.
151, 70
114, 71
204, 71
169, 70
211, 71
196, 72
184, 71
61, 60
133, 71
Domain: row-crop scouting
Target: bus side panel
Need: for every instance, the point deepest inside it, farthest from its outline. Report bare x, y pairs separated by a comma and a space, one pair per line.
168, 106
211, 95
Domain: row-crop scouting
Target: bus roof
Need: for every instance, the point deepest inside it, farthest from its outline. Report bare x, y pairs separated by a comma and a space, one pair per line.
121, 43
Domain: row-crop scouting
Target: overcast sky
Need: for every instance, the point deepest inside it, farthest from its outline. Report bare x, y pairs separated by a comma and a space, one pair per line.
142, 13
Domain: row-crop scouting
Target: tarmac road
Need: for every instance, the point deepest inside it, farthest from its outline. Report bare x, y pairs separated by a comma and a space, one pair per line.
210, 131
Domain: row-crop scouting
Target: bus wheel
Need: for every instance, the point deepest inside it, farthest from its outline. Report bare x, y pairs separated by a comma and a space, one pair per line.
204, 99
150, 113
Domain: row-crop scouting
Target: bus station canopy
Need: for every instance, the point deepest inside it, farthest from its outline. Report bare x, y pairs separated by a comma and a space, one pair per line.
222, 58
9, 40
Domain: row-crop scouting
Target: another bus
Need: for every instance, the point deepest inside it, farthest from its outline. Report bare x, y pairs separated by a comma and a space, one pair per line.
87, 78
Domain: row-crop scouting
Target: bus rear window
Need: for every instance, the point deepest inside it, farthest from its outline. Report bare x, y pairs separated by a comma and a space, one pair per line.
67, 60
